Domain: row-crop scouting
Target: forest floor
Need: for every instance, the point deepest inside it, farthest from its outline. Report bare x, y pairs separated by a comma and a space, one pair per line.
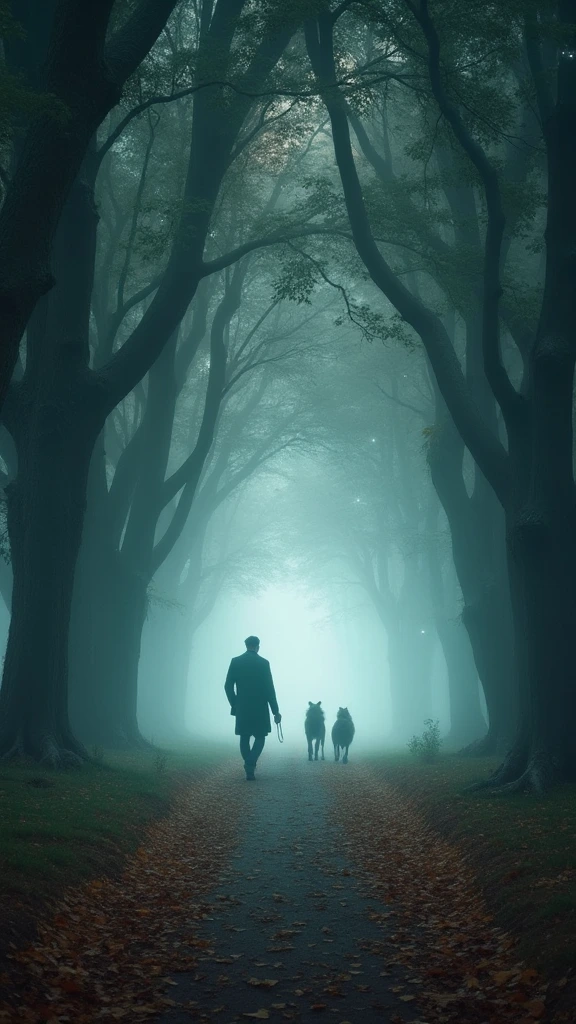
319, 890
63, 828
522, 848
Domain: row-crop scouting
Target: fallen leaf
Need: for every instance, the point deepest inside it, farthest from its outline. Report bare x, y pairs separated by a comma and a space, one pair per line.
259, 1014
472, 982
502, 977
263, 982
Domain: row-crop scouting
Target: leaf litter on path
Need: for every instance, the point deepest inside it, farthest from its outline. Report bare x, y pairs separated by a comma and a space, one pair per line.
462, 964
105, 953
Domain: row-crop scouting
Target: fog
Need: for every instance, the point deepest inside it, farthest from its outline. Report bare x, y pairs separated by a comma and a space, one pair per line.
311, 658
276, 370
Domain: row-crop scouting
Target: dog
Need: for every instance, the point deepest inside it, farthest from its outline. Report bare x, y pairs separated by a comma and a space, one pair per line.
315, 729
342, 734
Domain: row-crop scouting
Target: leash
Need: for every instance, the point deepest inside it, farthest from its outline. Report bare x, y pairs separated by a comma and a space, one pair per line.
279, 731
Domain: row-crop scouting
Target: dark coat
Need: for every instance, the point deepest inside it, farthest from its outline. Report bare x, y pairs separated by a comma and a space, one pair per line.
250, 690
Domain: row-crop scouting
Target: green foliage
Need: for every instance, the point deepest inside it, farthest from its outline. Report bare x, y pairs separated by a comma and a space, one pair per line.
427, 746
297, 280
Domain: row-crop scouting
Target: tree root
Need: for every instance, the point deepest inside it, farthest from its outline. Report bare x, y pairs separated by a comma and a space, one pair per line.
511, 768
47, 749
537, 774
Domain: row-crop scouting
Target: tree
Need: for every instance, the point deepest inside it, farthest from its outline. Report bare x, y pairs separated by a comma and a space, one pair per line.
533, 478
87, 63
58, 409
136, 525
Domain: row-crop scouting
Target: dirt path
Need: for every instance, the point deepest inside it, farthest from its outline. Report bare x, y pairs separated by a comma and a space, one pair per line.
316, 891
289, 911
341, 902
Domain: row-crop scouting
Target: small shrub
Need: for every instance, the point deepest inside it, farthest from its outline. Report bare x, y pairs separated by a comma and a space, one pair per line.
427, 746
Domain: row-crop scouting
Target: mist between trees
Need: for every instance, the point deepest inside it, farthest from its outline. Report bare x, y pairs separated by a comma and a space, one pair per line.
287, 312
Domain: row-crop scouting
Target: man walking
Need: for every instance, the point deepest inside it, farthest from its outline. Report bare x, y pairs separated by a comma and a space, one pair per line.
250, 690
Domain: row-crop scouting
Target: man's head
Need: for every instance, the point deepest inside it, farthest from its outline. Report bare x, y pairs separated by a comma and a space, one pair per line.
252, 643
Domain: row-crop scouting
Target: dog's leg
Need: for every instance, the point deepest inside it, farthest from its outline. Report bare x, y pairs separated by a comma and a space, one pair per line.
316, 745
336, 752
309, 749
345, 758
322, 742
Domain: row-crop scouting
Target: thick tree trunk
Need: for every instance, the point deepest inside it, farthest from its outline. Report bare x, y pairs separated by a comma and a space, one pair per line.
487, 618
541, 523
479, 552
45, 515
543, 577
52, 415
109, 616
467, 723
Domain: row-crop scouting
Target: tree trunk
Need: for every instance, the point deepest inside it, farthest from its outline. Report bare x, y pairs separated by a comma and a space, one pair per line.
487, 618
543, 553
467, 723
53, 418
45, 515
479, 552
110, 609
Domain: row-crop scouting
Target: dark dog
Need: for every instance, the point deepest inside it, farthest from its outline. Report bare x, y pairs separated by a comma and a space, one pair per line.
315, 729
342, 734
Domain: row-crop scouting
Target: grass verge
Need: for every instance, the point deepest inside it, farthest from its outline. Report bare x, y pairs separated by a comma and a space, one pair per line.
523, 850
62, 828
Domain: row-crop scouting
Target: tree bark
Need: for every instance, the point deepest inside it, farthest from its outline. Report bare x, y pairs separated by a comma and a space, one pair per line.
46, 500
84, 76
467, 723
45, 512
479, 553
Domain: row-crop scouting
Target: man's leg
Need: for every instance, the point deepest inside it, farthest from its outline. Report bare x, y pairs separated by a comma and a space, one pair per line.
247, 755
257, 748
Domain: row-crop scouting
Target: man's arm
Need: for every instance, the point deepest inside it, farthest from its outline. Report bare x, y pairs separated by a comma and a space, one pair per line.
271, 693
229, 688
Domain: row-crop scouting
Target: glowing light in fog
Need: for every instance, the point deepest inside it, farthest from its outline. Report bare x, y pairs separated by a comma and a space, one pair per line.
313, 656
